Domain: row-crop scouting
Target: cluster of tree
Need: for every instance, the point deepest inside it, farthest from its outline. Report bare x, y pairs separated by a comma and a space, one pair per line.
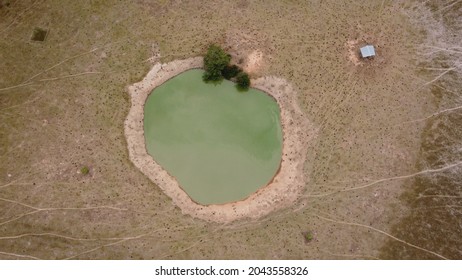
217, 67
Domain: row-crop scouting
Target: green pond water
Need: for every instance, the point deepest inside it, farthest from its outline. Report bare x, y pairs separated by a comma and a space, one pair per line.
220, 144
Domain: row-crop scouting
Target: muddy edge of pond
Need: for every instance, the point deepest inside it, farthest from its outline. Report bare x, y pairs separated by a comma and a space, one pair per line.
286, 186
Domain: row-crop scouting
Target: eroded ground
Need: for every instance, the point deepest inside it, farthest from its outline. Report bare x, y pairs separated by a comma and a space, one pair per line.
64, 102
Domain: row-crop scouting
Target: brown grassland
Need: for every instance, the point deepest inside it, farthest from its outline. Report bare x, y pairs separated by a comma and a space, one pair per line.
63, 103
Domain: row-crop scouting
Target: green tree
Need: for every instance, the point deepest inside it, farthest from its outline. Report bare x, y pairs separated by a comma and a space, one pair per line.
243, 81
215, 61
230, 71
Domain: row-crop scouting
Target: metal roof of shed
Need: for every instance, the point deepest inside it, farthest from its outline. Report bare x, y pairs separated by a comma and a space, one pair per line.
367, 51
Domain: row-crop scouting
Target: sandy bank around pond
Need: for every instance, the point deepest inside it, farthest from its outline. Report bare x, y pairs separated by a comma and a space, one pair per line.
286, 186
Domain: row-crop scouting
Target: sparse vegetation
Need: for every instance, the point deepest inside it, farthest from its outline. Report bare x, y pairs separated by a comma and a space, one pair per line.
84, 68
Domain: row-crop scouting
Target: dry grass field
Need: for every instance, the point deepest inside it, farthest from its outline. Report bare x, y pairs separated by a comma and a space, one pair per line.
386, 128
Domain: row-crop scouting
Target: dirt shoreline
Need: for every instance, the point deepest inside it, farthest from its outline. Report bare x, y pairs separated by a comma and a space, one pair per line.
285, 188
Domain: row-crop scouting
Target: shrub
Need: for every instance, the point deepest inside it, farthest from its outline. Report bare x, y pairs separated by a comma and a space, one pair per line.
231, 71
243, 81
215, 61
84, 170
308, 236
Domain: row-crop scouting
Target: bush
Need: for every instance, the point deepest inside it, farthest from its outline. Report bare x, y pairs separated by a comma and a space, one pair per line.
243, 81
84, 170
215, 61
308, 236
230, 71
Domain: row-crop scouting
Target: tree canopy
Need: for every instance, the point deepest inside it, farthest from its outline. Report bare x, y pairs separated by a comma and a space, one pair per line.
217, 67
243, 81
215, 62
231, 71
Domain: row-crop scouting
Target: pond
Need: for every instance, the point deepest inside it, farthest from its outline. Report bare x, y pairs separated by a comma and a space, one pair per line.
220, 144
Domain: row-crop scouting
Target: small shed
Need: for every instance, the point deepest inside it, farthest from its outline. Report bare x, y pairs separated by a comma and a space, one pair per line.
367, 51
